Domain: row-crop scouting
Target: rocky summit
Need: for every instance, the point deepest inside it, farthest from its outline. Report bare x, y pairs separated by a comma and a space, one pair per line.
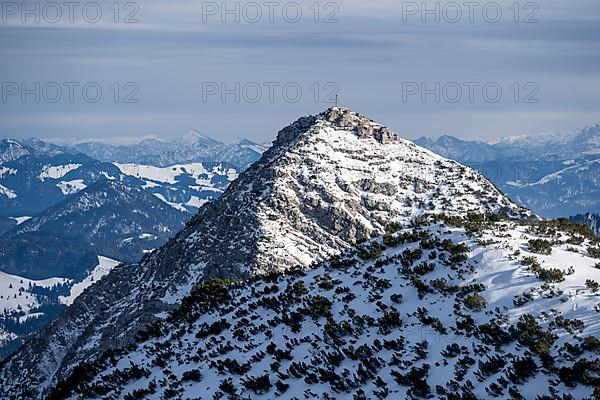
345, 263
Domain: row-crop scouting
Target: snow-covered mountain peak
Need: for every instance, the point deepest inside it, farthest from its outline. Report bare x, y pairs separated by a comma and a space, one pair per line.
194, 138
335, 118
328, 183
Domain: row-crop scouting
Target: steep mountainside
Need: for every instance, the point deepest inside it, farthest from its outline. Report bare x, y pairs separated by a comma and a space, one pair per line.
328, 183
107, 218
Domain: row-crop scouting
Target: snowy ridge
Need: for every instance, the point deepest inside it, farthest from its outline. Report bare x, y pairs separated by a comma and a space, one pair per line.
560, 175
336, 179
20, 220
192, 147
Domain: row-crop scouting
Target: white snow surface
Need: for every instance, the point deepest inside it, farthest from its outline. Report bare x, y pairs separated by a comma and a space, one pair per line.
15, 295
71, 187
57, 171
105, 265
20, 220
176, 206
7, 171
153, 174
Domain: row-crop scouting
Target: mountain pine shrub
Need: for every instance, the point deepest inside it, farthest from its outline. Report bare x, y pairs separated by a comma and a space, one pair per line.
540, 246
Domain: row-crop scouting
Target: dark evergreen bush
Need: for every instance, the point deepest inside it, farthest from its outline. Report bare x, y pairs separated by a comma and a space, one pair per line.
540, 246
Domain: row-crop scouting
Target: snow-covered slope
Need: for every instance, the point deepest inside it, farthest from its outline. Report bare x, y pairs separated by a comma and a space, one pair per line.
329, 182
17, 292
426, 312
27, 304
185, 187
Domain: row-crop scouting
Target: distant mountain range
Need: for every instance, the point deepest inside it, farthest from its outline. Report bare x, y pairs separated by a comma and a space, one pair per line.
193, 147
554, 175
581, 144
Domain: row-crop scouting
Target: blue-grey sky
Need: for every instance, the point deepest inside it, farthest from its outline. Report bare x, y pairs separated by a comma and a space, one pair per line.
378, 57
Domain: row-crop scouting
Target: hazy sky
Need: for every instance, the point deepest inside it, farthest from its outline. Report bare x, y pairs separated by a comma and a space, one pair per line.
184, 67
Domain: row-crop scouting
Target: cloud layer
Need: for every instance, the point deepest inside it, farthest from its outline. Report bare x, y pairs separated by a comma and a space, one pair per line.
180, 66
